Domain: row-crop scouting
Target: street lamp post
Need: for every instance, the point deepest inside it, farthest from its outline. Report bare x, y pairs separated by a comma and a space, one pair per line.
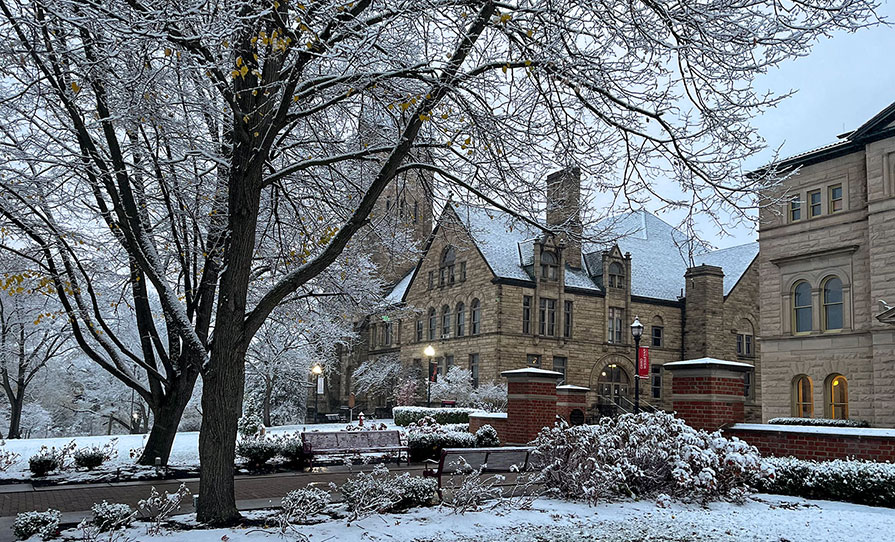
317, 370
636, 332
430, 353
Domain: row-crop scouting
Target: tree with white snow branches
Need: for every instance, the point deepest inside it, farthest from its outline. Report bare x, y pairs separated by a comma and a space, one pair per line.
209, 151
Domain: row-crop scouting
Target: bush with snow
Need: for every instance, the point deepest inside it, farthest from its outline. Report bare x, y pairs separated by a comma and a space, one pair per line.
28, 524
855, 481
44, 462
824, 422
157, 508
7, 458
112, 516
299, 505
486, 437
406, 415
381, 492
289, 447
93, 456
642, 456
256, 451
426, 438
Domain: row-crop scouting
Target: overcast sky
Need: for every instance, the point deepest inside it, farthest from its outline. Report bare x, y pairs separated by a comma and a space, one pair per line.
841, 84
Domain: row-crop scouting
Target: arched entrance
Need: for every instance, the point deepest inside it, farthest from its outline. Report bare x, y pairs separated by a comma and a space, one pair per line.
613, 385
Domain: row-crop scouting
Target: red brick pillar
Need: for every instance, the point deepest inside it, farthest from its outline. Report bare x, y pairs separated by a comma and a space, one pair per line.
531, 403
571, 403
708, 393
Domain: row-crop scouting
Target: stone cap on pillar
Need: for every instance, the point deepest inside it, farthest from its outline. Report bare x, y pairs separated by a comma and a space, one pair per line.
709, 364
530, 374
571, 388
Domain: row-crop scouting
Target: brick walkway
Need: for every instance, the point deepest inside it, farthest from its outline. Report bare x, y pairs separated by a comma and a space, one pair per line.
250, 490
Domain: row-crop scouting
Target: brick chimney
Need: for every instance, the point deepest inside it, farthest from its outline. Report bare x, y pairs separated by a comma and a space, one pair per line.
564, 211
704, 335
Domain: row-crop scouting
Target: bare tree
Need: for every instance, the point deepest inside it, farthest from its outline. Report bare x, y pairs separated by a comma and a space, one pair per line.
210, 150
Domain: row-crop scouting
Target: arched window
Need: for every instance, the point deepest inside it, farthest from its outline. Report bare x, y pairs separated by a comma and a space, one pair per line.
549, 265
838, 397
616, 275
476, 317
801, 307
832, 300
803, 400
446, 272
461, 319
433, 325
745, 339
445, 322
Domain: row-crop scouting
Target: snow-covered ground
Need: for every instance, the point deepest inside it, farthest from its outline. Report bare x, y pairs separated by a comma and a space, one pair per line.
767, 518
185, 452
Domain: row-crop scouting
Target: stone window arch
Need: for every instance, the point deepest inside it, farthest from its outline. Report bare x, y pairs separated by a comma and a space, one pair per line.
461, 319
657, 332
802, 396
616, 275
445, 321
745, 338
446, 269
433, 324
831, 298
475, 326
802, 310
836, 397
549, 265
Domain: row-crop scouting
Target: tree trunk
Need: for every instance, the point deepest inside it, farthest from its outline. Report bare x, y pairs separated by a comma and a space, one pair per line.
224, 380
166, 418
265, 406
15, 416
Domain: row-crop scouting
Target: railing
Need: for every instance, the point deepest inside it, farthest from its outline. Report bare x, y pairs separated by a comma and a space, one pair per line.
616, 406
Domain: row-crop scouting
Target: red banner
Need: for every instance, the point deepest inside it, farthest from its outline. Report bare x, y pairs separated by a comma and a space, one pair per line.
433, 372
643, 362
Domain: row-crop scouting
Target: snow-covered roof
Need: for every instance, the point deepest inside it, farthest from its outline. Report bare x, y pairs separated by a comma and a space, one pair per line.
531, 371
658, 251
572, 387
488, 415
708, 361
398, 290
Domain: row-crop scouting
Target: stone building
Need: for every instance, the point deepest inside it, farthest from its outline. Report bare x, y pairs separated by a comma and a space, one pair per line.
492, 294
827, 267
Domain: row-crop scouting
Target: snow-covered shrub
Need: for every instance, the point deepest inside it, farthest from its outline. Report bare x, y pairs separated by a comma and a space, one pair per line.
28, 524
490, 397
379, 491
157, 508
856, 481
486, 437
289, 447
7, 458
44, 462
474, 489
408, 414
642, 456
112, 516
824, 422
300, 504
256, 451
250, 423
94, 456
429, 445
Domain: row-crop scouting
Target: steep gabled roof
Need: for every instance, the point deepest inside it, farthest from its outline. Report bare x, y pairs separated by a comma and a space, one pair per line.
876, 124
734, 261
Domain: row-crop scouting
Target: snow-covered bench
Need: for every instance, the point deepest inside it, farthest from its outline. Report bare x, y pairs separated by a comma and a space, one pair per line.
346, 443
463, 460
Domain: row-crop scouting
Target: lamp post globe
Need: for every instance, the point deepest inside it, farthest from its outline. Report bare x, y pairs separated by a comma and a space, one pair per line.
636, 332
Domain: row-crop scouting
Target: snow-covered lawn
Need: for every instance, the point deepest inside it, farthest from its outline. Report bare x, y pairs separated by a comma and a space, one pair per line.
185, 453
765, 518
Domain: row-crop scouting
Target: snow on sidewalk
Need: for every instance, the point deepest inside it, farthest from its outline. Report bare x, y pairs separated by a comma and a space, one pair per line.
769, 519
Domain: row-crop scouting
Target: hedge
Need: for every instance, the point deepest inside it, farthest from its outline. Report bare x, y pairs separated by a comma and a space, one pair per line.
405, 415
824, 422
855, 481
429, 445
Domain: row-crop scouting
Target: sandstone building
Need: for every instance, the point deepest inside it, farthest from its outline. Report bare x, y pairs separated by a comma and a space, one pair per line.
493, 294
826, 268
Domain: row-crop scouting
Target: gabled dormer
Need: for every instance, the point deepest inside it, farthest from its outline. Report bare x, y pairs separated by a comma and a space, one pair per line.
614, 275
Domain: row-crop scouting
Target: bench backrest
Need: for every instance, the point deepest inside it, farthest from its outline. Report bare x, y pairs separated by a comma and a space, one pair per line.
350, 440
504, 459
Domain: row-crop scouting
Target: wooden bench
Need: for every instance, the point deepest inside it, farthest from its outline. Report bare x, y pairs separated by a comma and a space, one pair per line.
346, 443
502, 459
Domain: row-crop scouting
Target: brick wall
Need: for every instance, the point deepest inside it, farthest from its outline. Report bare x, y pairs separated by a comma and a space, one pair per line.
498, 423
837, 444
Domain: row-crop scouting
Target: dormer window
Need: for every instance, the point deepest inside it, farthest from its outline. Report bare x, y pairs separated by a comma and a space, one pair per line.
549, 265
616, 275
446, 272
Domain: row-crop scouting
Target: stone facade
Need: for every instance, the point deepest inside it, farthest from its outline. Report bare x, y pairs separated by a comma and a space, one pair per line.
509, 274
838, 228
